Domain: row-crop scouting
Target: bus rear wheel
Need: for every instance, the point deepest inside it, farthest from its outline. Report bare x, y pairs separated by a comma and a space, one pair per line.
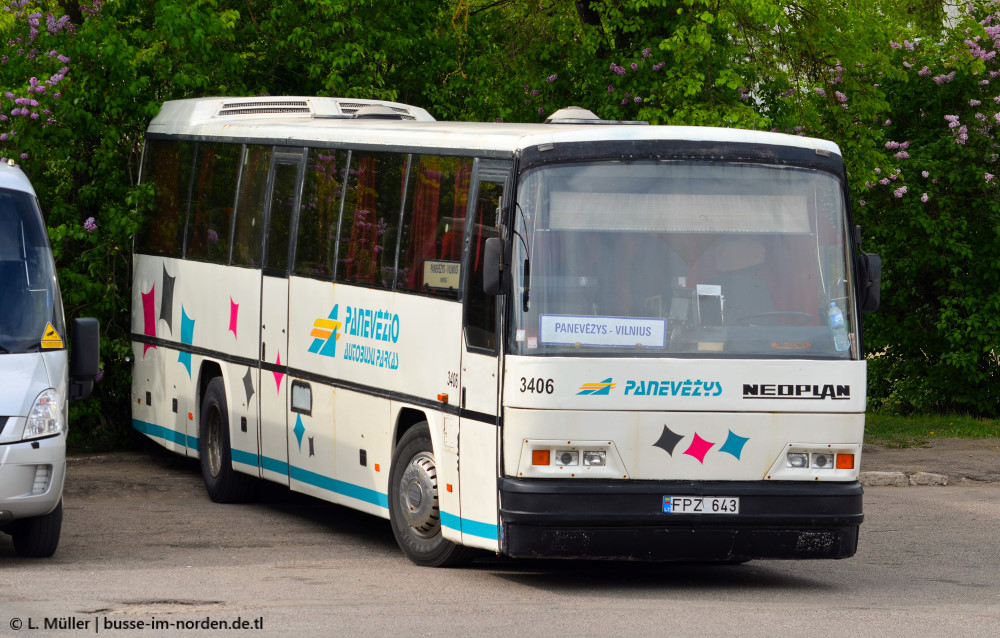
223, 483
413, 503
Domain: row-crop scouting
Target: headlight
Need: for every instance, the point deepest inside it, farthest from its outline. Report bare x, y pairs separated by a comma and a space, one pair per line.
45, 417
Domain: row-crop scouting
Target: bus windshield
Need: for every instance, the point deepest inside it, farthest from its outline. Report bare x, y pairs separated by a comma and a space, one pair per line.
668, 258
30, 310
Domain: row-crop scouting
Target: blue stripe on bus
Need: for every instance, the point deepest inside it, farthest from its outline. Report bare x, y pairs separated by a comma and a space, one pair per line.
340, 487
464, 525
160, 432
246, 458
467, 526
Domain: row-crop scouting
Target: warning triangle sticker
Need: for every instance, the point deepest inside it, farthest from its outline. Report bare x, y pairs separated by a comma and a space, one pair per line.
51, 338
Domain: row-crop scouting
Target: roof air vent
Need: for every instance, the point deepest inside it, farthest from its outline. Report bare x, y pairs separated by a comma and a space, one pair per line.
578, 115
572, 115
377, 112
265, 106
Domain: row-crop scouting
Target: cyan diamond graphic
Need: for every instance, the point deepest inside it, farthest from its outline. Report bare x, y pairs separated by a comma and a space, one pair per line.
734, 444
299, 430
187, 337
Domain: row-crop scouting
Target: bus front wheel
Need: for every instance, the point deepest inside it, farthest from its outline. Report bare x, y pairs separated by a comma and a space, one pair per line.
413, 503
223, 483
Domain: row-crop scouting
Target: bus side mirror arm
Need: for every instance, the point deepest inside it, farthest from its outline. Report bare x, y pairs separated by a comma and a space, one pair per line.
493, 267
85, 357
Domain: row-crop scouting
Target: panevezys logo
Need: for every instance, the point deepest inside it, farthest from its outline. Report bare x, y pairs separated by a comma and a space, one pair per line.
326, 331
797, 391
602, 387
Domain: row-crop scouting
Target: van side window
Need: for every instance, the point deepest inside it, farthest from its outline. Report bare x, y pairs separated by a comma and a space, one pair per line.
167, 166
248, 230
319, 213
434, 225
213, 196
369, 228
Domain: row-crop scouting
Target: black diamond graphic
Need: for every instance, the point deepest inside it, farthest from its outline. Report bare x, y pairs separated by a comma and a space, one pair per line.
312, 449
167, 300
248, 385
668, 440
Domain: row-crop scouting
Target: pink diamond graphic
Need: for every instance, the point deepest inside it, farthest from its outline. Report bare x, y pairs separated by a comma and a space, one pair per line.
699, 448
234, 312
278, 376
148, 316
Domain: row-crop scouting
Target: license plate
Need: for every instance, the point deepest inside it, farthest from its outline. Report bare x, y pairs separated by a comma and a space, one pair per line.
701, 505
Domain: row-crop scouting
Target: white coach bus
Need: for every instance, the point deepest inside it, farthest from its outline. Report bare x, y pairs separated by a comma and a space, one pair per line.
577, 339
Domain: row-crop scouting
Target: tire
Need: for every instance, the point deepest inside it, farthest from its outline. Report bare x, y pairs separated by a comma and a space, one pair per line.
223, 483
38, 537
413, 503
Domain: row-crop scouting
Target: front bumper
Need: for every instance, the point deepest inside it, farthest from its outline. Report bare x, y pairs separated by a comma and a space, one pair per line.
31, 477
624, 520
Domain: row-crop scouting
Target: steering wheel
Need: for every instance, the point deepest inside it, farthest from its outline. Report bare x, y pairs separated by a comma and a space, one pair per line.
770, 318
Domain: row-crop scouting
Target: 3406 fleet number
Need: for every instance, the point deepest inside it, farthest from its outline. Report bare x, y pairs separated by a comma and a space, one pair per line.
537, 385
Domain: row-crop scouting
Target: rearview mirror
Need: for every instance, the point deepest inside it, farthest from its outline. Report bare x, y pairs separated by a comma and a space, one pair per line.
869, 272
84, 358
493, 279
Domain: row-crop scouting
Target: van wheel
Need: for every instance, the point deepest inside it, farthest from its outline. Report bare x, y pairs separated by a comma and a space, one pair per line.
413, 503
38, 537
223, 483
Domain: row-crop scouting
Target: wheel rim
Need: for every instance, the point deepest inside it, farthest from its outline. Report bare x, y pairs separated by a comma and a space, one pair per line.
418, 496
213, 443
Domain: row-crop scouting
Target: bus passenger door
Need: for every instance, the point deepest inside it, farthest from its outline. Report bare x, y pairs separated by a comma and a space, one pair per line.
480, 402
284, 189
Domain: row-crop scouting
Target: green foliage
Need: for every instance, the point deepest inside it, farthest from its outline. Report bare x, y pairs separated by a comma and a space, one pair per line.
933, 205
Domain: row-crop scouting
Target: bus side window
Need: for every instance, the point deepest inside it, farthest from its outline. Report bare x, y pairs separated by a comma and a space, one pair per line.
319, 213
250, 207
368, 230
213, 197
168, 168
480, 308
279, 221
434, 225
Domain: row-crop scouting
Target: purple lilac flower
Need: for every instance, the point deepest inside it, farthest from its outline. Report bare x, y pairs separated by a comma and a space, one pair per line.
899, 192
213, 236
840, 97
658, 66
924, 198
902, 155
878, 171
989, 177
887, 123
944, 79
862, 202
884, 181
646, 52
635, 67
90, 225
952, 121
974, 102
820, 92
552, 78
924, 72
611, 89
925, 174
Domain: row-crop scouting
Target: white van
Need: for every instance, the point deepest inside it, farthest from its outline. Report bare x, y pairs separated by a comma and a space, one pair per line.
37, 377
